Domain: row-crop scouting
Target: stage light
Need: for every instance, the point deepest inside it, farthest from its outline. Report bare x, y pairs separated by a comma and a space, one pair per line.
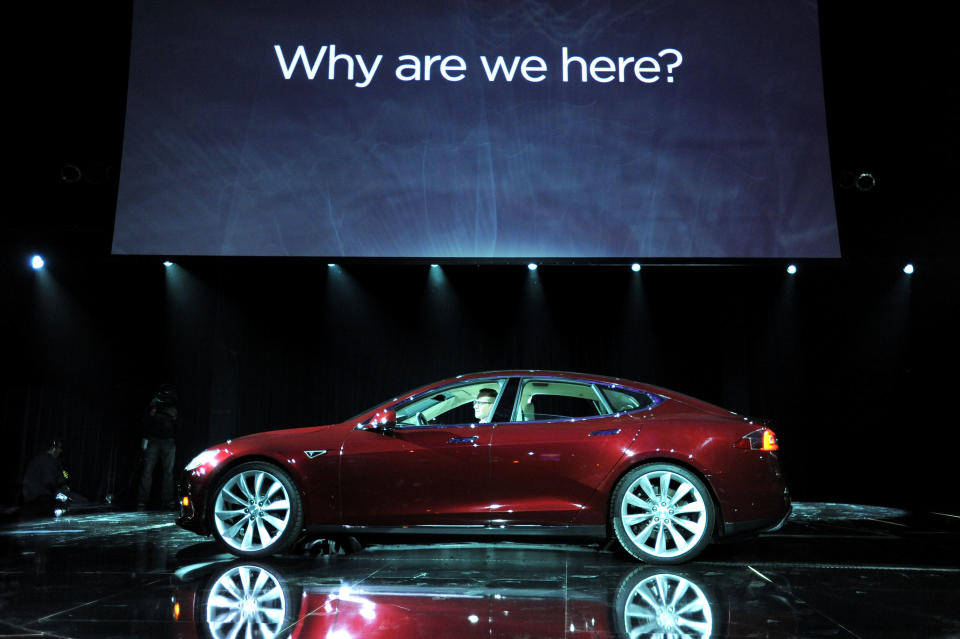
37, 262
434, 266
865, 181
635, 267
167, 263
908, 269
532, 266
792, 269
331, 265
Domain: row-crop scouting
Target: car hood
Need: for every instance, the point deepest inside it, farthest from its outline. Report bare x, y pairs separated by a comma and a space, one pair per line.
283, 435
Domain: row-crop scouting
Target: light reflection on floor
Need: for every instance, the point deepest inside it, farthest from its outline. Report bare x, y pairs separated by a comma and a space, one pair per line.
833, 570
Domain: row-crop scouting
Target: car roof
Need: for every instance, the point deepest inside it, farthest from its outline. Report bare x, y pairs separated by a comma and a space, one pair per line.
529, 372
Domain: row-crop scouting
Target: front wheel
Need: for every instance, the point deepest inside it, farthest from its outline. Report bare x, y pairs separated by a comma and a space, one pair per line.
257, 510
662, 514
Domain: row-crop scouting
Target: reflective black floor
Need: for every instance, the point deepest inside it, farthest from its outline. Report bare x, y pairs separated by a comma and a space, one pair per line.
834, 571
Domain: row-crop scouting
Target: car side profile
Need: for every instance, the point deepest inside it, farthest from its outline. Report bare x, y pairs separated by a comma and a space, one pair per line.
553, 455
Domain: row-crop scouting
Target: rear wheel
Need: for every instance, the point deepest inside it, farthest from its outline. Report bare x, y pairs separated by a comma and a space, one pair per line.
257, 510
662, 514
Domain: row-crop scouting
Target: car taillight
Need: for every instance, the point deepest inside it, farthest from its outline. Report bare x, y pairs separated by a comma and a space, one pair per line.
760, 439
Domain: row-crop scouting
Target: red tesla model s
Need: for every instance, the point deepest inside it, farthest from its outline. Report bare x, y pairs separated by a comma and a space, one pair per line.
506, 454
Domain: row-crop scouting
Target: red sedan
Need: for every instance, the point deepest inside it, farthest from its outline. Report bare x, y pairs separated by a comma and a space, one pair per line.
506, 454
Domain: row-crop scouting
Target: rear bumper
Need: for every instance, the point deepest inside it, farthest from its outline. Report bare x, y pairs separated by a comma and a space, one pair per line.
756, 526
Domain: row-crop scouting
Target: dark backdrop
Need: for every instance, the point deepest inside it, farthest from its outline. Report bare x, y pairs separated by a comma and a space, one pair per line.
850, 359
841, 358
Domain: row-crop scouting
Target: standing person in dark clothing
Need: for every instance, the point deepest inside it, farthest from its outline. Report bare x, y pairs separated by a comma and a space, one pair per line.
159, 444
45, 482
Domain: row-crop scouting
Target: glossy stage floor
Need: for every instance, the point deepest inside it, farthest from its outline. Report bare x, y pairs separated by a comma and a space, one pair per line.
834, 570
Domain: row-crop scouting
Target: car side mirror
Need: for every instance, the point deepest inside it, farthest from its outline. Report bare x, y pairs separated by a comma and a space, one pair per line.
382, 421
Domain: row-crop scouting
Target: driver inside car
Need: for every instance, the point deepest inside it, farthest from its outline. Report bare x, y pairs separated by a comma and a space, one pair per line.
483, 405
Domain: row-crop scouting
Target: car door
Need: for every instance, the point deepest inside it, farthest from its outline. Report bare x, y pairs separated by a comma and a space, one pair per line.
547, 462
432, 469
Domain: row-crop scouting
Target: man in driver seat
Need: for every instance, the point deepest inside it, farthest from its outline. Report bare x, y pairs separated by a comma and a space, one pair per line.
483, 405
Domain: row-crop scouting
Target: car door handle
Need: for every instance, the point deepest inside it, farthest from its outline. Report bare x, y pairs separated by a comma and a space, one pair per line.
462, 440
597, 433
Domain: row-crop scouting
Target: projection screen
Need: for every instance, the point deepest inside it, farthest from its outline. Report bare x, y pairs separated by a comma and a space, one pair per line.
468, 129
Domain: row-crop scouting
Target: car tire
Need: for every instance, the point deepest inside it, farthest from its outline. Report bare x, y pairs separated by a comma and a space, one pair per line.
256, 510
662, 513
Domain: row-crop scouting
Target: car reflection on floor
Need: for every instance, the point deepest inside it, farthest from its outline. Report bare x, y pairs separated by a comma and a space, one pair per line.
834, 570
246, 599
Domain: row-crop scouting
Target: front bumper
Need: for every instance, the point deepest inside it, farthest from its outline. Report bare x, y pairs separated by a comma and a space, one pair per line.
191, 515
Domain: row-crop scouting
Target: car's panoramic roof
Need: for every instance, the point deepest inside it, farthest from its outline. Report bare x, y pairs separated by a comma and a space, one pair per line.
549, 373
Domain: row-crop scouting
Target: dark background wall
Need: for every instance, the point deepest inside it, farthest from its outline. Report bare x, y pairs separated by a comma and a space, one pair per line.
851, 360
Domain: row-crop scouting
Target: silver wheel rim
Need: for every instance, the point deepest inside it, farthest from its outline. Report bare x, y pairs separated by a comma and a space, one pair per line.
663, 514
246, 601
667, 606
252, 510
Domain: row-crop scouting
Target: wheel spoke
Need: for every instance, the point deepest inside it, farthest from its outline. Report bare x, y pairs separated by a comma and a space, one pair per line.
694, 527
665, 484
272, 594
236, 630
635, 501
661, 544
244, 573
223, 513
648, 488
645, 533
265, 538
648, 598
273, 615
247, 538
697, 606
685, 488
692, 507
231, 533
263, 579
222, 601
273, 489
226, 493
633, 520
241, 480
636, 611
662, 588
679, 593
678, 539
258, 485
278, 505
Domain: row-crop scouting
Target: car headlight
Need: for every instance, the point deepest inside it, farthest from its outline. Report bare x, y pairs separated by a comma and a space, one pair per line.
206, 457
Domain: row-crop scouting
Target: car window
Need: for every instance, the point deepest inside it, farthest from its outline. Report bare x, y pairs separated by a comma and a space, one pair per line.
445, 406
622, 400
544, 400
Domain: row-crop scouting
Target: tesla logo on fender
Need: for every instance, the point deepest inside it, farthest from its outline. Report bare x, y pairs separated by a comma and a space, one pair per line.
314, 453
